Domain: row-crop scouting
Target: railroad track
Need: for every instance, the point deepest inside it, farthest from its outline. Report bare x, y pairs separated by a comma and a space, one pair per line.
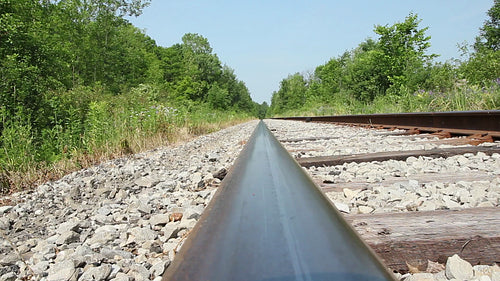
266, 224
455, 122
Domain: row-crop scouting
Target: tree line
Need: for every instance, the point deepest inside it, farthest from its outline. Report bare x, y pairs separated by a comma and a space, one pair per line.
76, 75
395, 72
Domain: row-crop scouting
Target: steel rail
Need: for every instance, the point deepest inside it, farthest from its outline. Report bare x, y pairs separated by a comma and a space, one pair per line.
455, 122
269, 221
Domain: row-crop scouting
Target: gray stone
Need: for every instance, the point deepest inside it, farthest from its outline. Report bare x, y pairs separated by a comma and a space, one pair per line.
143, 206
40, 267
188, 223
121, 195
171, 230
103, 235
220, 174
458, 268
195, 177
4, 223
115, 269
103, 191
213, 157
68, 237
158, 268
147, 181
62, 271
5, 209
440, 276
141, 234
191, 213
64, 255
10, 276
43, 247
102, 219
159, 219
9, 259
139, 272
152, 246
111, 253
99, 273
104, 211
83, 250
166, 186
71, 225
120, 276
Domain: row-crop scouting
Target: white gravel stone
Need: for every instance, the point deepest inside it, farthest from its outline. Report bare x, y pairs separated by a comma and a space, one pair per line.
5, 209
365, 209
159, 219
141, 234
484, 278
147, 181
158, 268
495, 273
458, 268
342, 207
64, 270
99, 273
68, 237
480, 270
350, 194
70, 225
122, 277
420, 277
9, 276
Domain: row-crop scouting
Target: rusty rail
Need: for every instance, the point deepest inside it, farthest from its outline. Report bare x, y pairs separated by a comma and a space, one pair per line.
269, 221
455, 122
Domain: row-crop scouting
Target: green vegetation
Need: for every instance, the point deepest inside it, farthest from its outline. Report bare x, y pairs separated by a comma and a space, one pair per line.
394, 73
79, 83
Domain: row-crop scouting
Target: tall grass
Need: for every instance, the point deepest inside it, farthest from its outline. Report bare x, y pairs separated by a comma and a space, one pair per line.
87, 126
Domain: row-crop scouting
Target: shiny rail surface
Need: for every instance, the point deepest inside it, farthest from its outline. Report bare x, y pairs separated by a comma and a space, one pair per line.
455, 122
269, 221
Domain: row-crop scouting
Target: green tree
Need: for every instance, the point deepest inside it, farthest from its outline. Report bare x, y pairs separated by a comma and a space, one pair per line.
291, 95
489, 35
218, 97
483, 66
262, 110
402, 53
199, 63
363, 74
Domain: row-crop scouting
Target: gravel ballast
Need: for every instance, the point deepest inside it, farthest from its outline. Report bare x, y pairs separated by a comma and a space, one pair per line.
416, 184
121, 220
125, 219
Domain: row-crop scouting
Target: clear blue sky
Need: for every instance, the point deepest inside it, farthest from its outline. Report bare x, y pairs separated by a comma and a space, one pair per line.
266, 40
